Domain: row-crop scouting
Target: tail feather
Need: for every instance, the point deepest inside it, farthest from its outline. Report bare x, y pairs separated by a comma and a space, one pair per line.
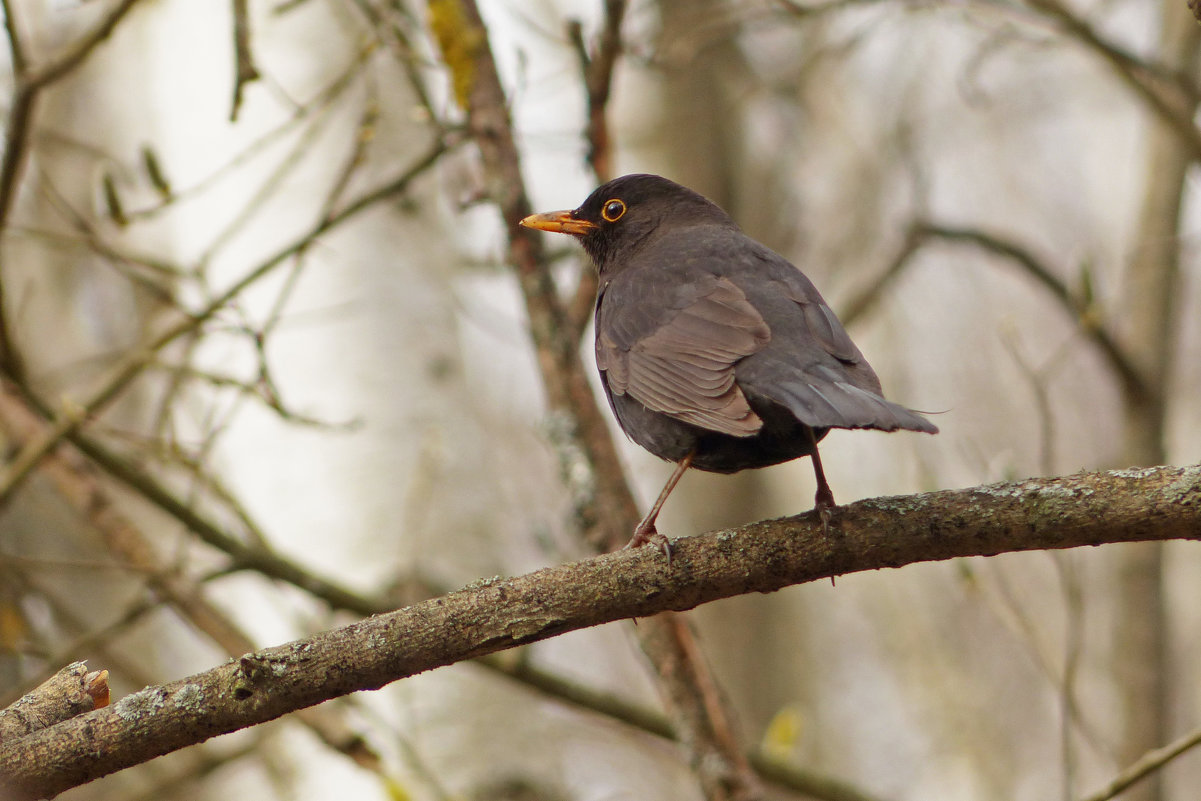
842, 405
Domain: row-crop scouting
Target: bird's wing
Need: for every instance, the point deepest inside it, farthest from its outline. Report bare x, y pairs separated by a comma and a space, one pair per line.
817, 372
684, 367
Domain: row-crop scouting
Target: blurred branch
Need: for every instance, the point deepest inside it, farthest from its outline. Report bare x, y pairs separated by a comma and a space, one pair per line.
1038, 379
811, 785
255, 201
77, 52
78, 485
244, 556
866, 300
1131, 377
1171, 94
80, 488
597, 69
800, 780
390, 31
321, 103
67, 421
489, 616
28, 82
205, 762
245, 70
1152, 762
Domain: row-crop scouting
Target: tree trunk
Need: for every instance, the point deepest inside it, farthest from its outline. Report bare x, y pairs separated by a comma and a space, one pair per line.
1142, 666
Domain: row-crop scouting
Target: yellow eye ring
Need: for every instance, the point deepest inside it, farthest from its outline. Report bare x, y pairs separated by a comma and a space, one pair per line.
613, 210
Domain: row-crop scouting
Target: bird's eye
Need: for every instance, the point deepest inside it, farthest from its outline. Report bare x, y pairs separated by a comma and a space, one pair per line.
613, 209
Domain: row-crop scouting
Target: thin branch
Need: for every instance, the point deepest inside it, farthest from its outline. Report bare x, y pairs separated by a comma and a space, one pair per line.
69, 419
866, 300
16, 135
1131, 377
320, 103
815, 785
489, 616
28, 83
75, 54
808, 783
245, 556
1149, 764
597, 68
255, 201
1153, 84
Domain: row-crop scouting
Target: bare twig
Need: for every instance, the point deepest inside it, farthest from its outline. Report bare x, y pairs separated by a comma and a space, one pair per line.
28, 84
319, 104
245, 556
597, 68
78, 51
67, 421
1073, 648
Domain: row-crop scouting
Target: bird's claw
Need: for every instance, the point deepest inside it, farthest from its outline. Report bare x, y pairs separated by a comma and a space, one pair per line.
824, 505
825, 513
645, 534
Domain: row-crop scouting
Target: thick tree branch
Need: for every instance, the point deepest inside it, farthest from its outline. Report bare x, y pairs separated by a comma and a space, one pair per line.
69, 692
1083, 509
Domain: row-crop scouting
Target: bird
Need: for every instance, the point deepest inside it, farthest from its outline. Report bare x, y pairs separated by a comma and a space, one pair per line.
714, 351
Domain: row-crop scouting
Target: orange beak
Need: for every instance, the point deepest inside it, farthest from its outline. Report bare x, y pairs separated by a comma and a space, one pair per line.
561, 222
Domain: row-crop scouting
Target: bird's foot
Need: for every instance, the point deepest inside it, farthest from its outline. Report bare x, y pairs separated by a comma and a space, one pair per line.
647, 533
824, 505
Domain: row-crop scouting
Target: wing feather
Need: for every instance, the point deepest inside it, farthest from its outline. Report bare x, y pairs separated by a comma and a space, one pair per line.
685, 367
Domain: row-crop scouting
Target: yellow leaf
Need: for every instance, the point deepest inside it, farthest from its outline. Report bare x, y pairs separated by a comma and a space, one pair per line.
783, 733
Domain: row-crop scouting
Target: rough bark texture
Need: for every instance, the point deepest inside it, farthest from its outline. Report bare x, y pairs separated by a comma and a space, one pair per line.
69, 692
1082, 509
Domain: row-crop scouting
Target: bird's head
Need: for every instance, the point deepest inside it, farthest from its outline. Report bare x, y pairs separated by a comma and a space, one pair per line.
620, 215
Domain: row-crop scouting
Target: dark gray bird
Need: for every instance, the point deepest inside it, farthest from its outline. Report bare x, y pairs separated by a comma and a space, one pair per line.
714, 351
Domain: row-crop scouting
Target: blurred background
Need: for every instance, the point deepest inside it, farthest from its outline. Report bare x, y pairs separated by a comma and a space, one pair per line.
250, 249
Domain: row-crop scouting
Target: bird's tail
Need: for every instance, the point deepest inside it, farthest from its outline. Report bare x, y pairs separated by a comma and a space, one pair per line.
841, 405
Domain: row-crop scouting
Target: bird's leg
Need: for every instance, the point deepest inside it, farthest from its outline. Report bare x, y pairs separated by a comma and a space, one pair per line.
646, 531
824, 501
